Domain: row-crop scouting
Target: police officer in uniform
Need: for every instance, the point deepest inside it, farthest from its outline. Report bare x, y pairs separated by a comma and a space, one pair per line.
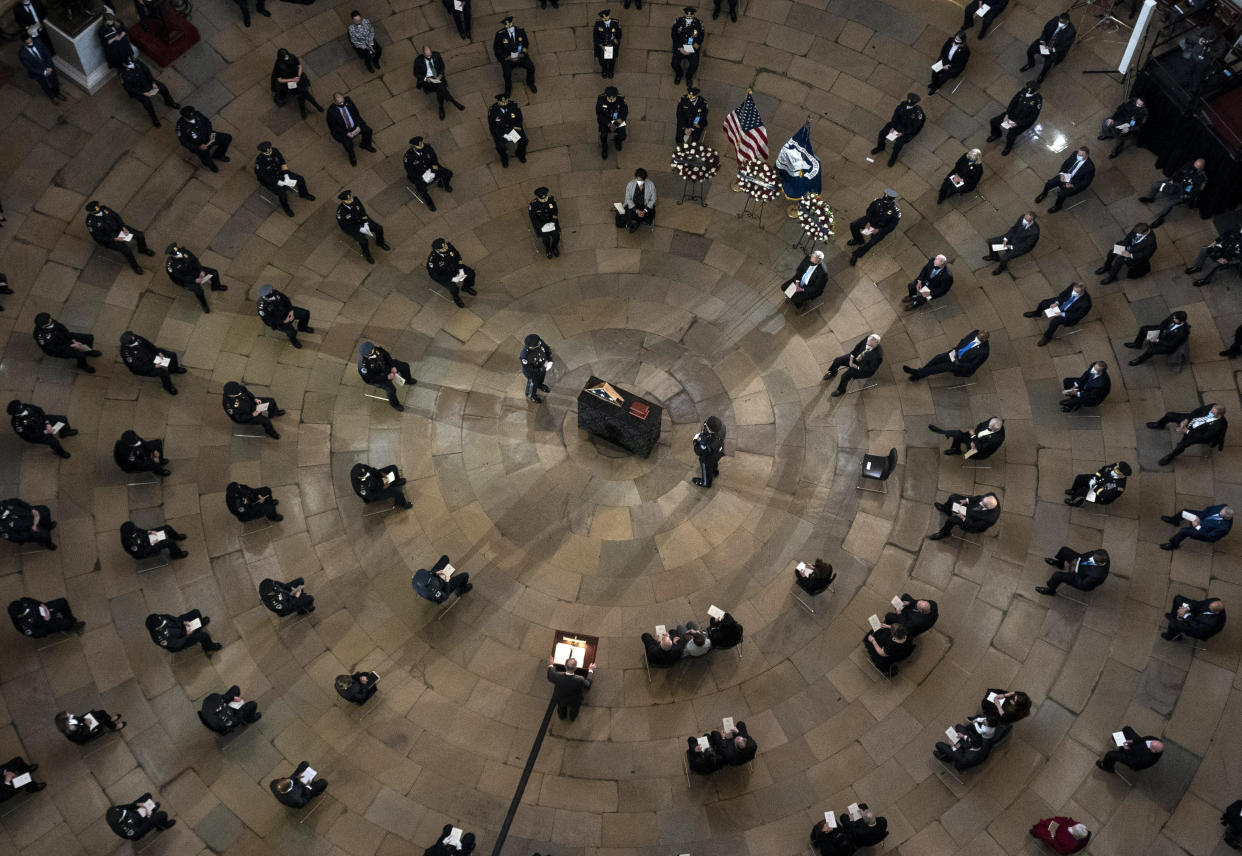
222, 712
1225, 250
134, 820
512, 49
378, 368
286, 598
503, 118
141, 85
535, 358
173, 631
606, 33
195, 133
144, 359
373, 485
144, 543
23, 523
270, 169
429, 76
352, 217
709, 447
279, 313
55, 340
691, 117
543, 210
37, 619
687, 35
110, 231
136, 455
1022, 112
34, 426
907, 121
248, 503
245, 408
610, 114
444, 265
288, 70
185, 270
881, 218
420, 159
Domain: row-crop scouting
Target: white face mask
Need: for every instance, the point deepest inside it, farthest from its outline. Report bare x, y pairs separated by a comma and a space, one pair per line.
639, 181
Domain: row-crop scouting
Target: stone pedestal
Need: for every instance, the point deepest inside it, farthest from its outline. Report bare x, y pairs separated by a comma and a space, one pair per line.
79, 53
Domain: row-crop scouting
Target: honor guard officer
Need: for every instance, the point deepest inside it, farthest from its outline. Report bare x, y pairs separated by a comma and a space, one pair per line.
536, 357
110, 231
352, 217
460, 10
143, 543
687, 35
178, 632
286, 598
185, 270
504, 119
881, 218
274, 174
23, 523
1021, 114
141, 85
906, 123
55, 340
37, 619
709, 447
373, 485
136, 455
246, 408
429, 76
444, 265
146, 360
195, 133
288, 78
691, 117
134, 820
423, 168
248, 503
610, 114
34, 426
378, 368
277, 311
512, 49
346, 125
222, 712
606, 35
545, 219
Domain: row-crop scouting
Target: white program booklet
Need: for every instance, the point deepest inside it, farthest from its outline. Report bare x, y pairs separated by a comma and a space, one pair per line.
461, 275
155, 536
429, 176
620, 208
90, 721
716, 612
366, 230
1045, 50
660, 630
830, 819
1091, 495
1153, 335
21, 781
458, 5
898, 603
608, 51
958, 508
162, 361
689, 48
1008, 123
1118, 249
292, 84
1119, 737
287, 182
952, 734
893, 135
194, 625
398, 380
447, 571
56, 428
236, 705
550, 226
703, 742
262, 406
792, 290
307, 775
1065, 176
126, 236
939, 66
994, 698
513, 136
1052, 311
998, 248
726, 724
983, 9
454, 838
874, 621
389, 478
1186, 515
855, 811
957, 180
804, 569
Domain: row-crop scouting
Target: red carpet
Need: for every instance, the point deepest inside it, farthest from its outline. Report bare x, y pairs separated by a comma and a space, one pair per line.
153, 44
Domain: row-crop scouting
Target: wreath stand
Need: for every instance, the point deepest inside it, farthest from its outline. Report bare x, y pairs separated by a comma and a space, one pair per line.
694, 191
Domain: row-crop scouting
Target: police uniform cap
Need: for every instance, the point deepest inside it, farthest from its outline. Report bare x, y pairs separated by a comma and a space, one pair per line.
265, 145
366, 349
187, 111
265, 289
541, 191
42, 318
692, 91
507, 20
501, 96
92, 205
532, 340
14, 407
344, 194
611, 92
414, 141
689, 10
890, 193
605, 12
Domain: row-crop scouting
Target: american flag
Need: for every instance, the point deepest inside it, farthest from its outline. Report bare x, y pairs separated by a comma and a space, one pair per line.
745, 130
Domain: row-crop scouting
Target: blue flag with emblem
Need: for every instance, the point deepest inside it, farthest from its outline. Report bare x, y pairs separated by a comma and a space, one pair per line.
798, 166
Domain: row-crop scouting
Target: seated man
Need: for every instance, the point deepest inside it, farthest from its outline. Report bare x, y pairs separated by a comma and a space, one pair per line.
177, 632
933, 281
1226, 250
444, 845
222, 712
815, 578
724, 632
1006, 707
1088, 390
868, 830
664, 651
10, 772
704, 760
1211, 524
1198, 619
1063, 834
277, 311
1076, 173
144, 359
808, 281
1137, 753
23, 523
56, 340
973, 513
1083, 571
88, 726
963, 360
245, 408
1181, 188
136, 455
1067, 309
1018, 241
832, 840
863, 361
983, 440
373, 485
358, 687
134, 820
380, 369
437, 584
1204, 425
736, 747
286, 598
1137, 248
916, 616
248, 503
1124, 124
34, 426
1231, 819
887, 647
1102, 487
975, 741
37, 619
298, 789
144, 543
1163, 338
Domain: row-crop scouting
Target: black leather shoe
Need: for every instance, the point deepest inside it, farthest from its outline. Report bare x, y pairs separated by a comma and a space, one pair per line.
953, 451
936, 536
1052, 562
1167, 546
1194, 269
1199, 283
698, 482
1046, 590
1041, 197
1170, 519
1146, 199
1031, 314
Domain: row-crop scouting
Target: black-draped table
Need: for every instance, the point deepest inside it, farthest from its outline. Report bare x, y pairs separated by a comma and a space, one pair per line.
620, 423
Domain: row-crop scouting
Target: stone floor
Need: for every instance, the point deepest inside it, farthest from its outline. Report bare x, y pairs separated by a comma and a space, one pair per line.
559, 533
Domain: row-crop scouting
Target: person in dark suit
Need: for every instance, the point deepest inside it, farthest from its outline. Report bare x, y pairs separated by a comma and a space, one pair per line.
442, 847
419, 160
1053, 45
881, 218
222, 712
964, 177
1138, 246
863, 361
1082, 571
461, 17
274, 174
1107, 484
1076, 174
144, 543
173, 631
1203, 425
808, 280
700, 760
504, 118
606, 33
1019, 116
195, 133
1181, 188
934, 281
358, 687
888, 646
916, 616
724, 632
186, 271
437, 584
260, 6
37, 60
34, 426
687, 37
56, 340
134, 820
1198, 619
429, 76
1211, 524
664, 651
248, 503
1088, 390
277, 311
1124, 124
511, 48
346, 126
374, 485
709, 449
954, 55
1225, 251
286, 598
288, 78
1018, 241
736, 747
611, 112
295, 793
88, 726
907, 120
1006, 706
868, 830
31, 13
1231, 819
109, 231
981, 512
982, 441
353, 220
692, 112
1171, 334
543, 211
1235, 348
832, 841
963, 361
818, 576
246, 408
446, 267
145, 359
976, 737
140, 84
535, 357
23, 523
37, 619
995, 7
380, 369
570, 685
1137, 753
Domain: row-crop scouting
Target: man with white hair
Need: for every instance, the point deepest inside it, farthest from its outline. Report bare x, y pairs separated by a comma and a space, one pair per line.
934, 280
861, 362
981, 441
1063, 834
808, 281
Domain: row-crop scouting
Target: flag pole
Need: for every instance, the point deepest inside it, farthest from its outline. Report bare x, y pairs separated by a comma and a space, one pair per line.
736, 186
792, 210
